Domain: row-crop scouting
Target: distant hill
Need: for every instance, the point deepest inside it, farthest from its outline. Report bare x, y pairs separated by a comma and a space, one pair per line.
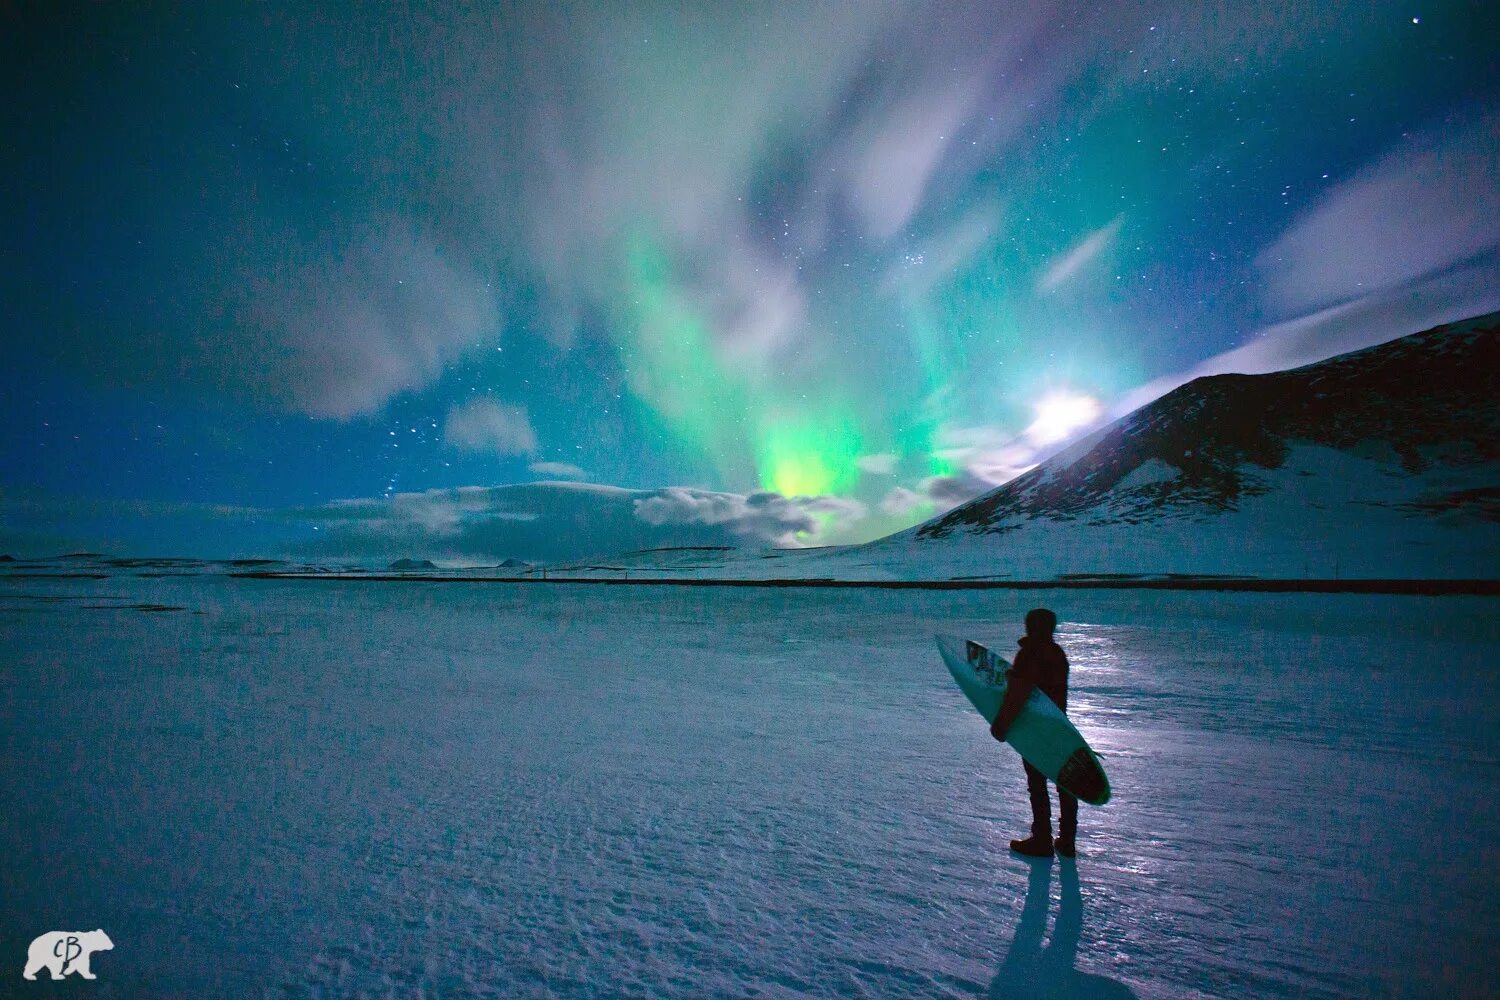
409, 564
1381, 462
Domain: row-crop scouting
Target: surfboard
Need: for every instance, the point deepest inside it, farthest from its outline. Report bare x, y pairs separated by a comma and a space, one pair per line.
1041, 734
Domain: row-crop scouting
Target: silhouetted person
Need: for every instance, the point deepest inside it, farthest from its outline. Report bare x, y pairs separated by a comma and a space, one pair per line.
1040, 663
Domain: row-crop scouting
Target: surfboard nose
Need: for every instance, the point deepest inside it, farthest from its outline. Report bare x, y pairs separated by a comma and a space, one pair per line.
951, 645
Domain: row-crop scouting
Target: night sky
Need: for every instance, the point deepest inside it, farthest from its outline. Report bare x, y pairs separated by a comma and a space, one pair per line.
280, 281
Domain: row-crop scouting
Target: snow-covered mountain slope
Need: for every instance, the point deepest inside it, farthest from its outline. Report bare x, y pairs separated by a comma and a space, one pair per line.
1380, 463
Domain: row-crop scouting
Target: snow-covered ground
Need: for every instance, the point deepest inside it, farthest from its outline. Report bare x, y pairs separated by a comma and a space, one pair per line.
323, 788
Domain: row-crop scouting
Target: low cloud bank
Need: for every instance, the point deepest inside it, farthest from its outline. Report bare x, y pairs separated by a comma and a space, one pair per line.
561, 521
759, 517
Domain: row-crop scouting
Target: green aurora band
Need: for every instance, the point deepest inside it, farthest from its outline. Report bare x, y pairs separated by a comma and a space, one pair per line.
803, 447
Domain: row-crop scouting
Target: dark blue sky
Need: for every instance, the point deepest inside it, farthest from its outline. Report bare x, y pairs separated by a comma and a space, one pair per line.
824, 269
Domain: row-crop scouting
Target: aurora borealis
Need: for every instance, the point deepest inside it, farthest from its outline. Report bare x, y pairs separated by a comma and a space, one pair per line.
270, 270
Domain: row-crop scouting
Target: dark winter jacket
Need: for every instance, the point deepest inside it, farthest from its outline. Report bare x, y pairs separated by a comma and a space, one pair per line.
1039, 663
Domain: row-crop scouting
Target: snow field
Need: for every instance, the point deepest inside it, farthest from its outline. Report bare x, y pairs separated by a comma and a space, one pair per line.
316, 788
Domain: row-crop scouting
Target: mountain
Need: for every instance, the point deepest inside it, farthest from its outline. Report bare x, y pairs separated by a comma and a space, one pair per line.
1381, 462
410, 564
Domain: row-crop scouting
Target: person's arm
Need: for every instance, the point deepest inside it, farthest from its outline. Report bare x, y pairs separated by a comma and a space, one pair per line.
1017, 690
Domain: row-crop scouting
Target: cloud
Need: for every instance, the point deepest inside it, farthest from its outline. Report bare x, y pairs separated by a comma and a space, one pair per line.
987, 456
1429, 204
754, 180
883, 464
902, 502
1408, 242
1350, 326
934, 495
947, 492
1067, 264
615, 143
557, 470
336, 331
238, 272
988, 453
484, 425
548, 521
897, 159
764, 517
497, 164
560, 521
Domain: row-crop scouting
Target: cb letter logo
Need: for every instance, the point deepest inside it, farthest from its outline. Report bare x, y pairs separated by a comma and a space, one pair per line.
65, 952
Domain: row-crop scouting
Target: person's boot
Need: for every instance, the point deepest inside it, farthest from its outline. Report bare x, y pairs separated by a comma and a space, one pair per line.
1038, 845
1066, 846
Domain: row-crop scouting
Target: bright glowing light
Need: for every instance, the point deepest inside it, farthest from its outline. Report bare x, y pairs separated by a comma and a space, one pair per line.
809, 458
1060, 414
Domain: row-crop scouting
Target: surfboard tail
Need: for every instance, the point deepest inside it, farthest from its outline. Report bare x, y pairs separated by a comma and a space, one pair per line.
1083, 778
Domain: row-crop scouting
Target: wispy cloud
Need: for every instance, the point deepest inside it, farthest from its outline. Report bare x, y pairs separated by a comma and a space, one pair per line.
988, 455
337, 261
335, 331
1427, 205
1466, 291
1408, 242
557, 470
901, 502
883, 464
485, 425
1070, 262
947, 492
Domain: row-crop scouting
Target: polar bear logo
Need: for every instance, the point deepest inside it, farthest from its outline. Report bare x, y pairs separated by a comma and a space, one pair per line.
65, 952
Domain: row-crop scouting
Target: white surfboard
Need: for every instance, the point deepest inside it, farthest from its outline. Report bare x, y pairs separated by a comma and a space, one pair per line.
1041, 733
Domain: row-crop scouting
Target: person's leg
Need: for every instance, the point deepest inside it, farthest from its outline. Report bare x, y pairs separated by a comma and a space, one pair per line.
1067, 821
1041, 804
1039, 844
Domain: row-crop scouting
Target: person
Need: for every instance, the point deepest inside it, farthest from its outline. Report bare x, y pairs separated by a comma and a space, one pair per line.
1040, 663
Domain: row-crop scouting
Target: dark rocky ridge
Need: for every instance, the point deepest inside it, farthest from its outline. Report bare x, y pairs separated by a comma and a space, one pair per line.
1429, 399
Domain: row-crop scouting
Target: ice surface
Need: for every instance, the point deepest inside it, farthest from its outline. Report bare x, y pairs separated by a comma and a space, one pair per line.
322, 788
